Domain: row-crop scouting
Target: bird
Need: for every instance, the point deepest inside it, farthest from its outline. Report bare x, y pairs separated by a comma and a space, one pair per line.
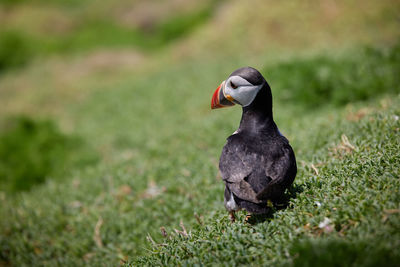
257, 163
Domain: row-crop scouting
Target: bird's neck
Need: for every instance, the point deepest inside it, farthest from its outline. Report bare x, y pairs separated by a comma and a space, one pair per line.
257, 117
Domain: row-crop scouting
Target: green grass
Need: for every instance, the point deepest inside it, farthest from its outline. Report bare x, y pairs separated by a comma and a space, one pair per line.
14, 50
154, 196
103, 33
356, 188
339, 252
160, 145
313, 82
31, 150
91, 29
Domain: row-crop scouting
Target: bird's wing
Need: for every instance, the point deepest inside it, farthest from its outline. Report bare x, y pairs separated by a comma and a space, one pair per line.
282, 172
255, 176
235, 165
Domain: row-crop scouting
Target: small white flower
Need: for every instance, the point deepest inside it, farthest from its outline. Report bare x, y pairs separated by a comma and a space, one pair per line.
326, 225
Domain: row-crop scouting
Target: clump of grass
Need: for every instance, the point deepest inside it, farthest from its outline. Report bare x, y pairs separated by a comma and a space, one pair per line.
161, 34
14, 50
321, 80
340, 252
178, 26
99, 32
32, 150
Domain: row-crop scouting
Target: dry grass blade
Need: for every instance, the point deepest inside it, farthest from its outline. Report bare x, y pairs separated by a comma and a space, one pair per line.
163, 232
198, 218
315, 169
183, 232
97, 236
346, 143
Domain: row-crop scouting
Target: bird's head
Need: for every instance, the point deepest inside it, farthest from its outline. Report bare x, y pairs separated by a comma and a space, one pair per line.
241, 87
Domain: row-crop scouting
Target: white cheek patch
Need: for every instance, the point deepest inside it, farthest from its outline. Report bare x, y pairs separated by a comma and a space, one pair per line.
245, 91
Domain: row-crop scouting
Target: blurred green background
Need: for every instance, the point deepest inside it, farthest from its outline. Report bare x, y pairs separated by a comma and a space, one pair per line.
106, 132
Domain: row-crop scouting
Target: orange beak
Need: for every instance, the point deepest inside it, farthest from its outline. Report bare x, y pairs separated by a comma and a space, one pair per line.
219, 100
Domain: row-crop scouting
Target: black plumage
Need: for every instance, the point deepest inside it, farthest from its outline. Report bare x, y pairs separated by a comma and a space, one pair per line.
257, 163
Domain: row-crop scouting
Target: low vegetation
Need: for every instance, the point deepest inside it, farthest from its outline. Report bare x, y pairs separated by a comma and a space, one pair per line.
117, 165
313, 82
14, 50
32, 150
343, 208
159, 171
91, 28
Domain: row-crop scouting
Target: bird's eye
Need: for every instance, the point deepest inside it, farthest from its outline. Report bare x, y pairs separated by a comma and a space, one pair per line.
233, 86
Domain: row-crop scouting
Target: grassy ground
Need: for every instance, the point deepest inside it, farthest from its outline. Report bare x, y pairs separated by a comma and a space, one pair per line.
159, 169
37, 29
343, 209
147, 118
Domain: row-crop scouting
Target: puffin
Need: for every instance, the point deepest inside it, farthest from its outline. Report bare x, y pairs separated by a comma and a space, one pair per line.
257, 163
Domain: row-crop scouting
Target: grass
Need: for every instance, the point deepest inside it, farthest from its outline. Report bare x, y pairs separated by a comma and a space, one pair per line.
154, 196
351, 181
14, 51
41, 29
32, 150
91, 29
159, 168
314, 82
